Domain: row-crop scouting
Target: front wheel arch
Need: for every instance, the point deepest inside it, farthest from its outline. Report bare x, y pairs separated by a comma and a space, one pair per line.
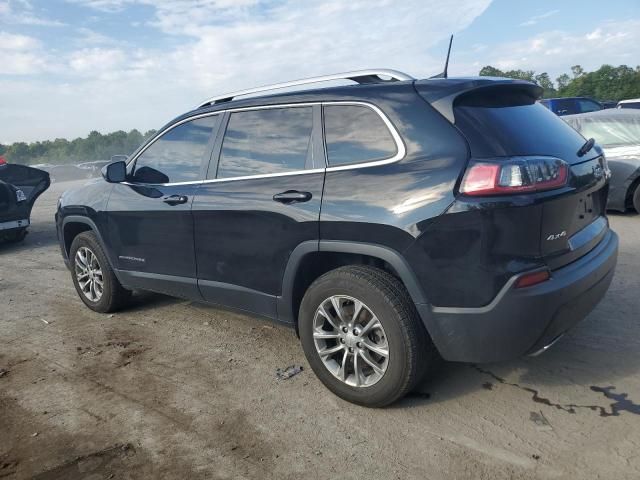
78, 224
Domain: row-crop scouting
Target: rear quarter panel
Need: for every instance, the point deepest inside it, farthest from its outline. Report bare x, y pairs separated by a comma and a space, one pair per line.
392, 205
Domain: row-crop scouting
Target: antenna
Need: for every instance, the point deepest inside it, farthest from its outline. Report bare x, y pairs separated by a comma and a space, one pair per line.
446, 63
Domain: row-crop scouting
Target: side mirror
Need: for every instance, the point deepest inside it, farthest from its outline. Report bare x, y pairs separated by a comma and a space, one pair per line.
115, 172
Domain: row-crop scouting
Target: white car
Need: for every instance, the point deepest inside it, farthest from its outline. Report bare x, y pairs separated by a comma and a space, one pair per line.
631, 103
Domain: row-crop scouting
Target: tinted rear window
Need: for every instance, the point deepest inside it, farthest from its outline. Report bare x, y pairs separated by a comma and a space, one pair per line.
356, 134
504, 128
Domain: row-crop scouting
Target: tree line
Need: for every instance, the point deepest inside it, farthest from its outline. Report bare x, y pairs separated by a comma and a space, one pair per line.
95, 146
608, 83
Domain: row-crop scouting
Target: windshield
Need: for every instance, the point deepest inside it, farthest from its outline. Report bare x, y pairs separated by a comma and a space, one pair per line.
611, 131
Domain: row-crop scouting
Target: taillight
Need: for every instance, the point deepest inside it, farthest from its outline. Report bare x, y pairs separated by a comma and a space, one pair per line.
514, 175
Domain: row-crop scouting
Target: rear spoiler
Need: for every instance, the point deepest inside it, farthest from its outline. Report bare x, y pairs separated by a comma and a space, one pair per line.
443, 94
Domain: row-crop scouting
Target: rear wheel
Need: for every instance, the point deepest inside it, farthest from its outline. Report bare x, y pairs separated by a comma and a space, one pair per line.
636, 198
95, 281
362, 335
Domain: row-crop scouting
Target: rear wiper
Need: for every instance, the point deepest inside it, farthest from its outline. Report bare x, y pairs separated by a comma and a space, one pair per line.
588, 145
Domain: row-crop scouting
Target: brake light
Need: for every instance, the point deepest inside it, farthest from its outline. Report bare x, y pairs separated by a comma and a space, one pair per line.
514, 175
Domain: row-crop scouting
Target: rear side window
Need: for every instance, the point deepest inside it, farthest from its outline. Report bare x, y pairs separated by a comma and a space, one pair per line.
356, 134
275, 140
177, 155
500, 125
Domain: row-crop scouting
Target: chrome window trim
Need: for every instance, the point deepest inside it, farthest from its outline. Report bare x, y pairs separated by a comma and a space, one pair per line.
400, 147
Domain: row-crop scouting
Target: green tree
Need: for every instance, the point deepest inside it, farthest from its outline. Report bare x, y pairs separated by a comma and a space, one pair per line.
490, 71
606, 83
577, 71
541, 79
563, 80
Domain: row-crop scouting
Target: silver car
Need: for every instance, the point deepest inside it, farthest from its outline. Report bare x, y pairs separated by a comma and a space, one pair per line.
617, 131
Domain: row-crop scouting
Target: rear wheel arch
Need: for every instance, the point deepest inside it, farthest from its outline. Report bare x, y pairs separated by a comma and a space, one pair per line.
312, 259
630, 200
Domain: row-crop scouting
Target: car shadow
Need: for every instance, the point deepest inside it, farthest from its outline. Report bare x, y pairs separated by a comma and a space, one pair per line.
39, 237
594, 359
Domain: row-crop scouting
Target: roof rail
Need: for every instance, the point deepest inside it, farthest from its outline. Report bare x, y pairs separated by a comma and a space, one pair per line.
359, 76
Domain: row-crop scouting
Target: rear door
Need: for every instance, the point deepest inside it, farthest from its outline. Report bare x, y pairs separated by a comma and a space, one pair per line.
261, 200
149, 216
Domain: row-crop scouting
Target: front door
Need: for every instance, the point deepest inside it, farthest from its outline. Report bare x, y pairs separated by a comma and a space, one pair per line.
261, 200
149, 217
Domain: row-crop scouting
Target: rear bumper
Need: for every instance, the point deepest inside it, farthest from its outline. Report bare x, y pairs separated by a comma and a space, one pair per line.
525, 320
10, 225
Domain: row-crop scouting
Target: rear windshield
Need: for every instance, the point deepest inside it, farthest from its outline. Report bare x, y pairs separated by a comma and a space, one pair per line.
496, 127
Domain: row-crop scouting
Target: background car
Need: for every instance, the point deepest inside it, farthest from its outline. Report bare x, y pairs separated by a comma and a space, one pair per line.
571, 105
618, 133
608, 104
20, 187
631, 103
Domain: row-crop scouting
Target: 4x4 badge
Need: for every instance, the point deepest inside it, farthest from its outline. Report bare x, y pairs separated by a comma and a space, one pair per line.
556, 236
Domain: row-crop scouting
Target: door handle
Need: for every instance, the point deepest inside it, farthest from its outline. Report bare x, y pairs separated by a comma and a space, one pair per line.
175, 199
292, 196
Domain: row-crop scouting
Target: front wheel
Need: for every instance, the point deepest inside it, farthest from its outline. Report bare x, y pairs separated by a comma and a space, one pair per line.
95, 281
362, 335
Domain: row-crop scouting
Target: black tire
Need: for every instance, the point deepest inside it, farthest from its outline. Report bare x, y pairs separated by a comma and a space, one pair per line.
114, 295
411, 351
636, 199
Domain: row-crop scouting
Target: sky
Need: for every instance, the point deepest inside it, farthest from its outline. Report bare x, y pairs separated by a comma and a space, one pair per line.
71, 66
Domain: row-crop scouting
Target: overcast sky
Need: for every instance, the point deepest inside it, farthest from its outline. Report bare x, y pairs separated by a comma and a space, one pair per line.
71, 66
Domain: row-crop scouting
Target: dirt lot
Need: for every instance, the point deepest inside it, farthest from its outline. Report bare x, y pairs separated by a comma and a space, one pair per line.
174, 389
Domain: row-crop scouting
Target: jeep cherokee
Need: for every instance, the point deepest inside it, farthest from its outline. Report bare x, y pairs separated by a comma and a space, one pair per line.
392, 223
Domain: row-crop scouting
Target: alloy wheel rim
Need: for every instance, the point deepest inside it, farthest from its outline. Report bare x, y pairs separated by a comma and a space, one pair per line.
350, 341
89, 274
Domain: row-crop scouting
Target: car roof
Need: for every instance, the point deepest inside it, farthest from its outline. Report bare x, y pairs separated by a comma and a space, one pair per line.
572, 98
630, 100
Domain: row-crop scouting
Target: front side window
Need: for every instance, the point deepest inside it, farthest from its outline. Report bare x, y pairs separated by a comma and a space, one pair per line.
177, 155
273, 140
356, 134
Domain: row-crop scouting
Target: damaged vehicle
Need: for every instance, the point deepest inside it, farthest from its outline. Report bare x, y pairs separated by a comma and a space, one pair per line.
20, 187
618, 133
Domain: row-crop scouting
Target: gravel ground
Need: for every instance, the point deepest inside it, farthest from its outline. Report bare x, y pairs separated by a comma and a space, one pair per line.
175, 389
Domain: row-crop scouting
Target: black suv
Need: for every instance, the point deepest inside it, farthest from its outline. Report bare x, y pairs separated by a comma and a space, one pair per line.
392, 223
